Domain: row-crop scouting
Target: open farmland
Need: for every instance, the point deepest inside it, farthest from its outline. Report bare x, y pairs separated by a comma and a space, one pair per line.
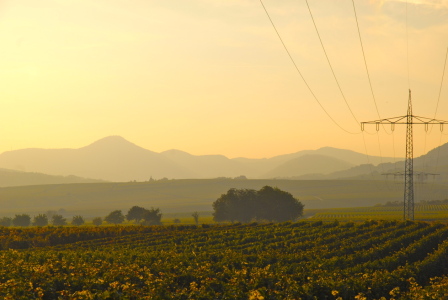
427, 212
177, 196
303, 260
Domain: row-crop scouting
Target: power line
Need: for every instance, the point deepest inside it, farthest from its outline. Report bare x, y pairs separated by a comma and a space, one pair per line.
300, 73
409, 120
365, 64
329, 63
441, 84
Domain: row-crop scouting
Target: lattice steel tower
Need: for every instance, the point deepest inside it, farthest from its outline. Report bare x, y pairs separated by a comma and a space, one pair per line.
408, 209
409, 120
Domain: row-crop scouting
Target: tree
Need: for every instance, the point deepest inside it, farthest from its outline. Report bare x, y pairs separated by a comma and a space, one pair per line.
97, 221
23, 220
40, 220
152, 216
195, 215
58, 220
244, 205
277, 205
136, 213
5, 221
77, 220
115, 217
176, 221
236, 205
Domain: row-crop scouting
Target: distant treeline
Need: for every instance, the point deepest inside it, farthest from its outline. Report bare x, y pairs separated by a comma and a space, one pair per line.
137, 214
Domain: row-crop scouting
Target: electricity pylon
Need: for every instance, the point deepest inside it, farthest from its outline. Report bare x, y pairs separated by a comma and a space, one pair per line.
409, 120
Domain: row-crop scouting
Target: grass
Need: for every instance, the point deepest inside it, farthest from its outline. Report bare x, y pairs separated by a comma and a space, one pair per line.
422, 212
185, 196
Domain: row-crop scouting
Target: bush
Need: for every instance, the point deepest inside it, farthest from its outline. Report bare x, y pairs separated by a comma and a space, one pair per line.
40, 220
59, 220
136, 213
115, 217
23, 220
97, 221
246, 205
5, 221
152, 216
78, 221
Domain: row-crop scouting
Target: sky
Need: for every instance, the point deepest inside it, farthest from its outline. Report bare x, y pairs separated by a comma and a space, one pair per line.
212, 77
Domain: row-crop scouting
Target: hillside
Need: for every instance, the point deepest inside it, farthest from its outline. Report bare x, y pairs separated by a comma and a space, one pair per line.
98, 199
308, 164
19, 178
112, 158
116, 159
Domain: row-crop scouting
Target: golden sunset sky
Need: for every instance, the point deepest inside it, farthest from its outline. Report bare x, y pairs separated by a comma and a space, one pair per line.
212, 77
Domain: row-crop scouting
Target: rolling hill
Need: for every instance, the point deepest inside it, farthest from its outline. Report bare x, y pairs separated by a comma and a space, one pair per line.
19, 178
308, 164
116, 159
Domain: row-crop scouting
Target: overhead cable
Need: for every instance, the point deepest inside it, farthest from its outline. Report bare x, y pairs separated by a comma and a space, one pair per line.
365, 64
329, 63
441, 84
303, 78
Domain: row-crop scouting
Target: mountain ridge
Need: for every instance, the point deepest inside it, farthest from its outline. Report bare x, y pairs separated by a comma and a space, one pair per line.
114, 158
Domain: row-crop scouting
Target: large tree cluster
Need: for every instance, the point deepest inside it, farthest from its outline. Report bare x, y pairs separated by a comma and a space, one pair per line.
245, 205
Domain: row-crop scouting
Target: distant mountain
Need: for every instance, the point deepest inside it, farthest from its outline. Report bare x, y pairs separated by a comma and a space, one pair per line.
112, 158
434, 162
209, 166
308, 164
116, 159
349, 156
265, 166
19, 178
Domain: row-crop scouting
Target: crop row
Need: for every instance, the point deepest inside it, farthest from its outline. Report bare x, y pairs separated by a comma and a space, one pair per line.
303, 260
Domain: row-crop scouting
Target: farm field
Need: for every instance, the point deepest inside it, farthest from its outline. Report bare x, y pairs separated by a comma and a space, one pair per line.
183, 196
427, 212
300, 260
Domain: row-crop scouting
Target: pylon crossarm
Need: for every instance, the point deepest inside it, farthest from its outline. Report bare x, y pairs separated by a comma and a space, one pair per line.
423, 120
395, 120
403, 120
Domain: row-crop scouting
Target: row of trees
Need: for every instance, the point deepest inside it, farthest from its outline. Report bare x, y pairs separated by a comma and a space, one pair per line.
137, 214
267, 204
240, 205
24, 220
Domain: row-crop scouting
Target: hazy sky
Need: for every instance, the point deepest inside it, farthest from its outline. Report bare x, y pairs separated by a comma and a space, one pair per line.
211, 76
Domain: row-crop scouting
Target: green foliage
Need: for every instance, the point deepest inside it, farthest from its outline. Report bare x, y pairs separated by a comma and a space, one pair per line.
58, 220
115, 217
195, 216
304, 260
192, 195
152, 216
423, 211
97, 221
40, 220
23, 220
78, 220
244, 205
136, 213
236, 205
5, 221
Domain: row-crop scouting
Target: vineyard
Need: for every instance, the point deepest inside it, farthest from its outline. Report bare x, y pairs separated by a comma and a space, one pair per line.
424, 212
301, 260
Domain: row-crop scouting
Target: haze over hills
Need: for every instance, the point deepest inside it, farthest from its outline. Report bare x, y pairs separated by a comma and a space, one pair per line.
116, 159
308, 164
19, 178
